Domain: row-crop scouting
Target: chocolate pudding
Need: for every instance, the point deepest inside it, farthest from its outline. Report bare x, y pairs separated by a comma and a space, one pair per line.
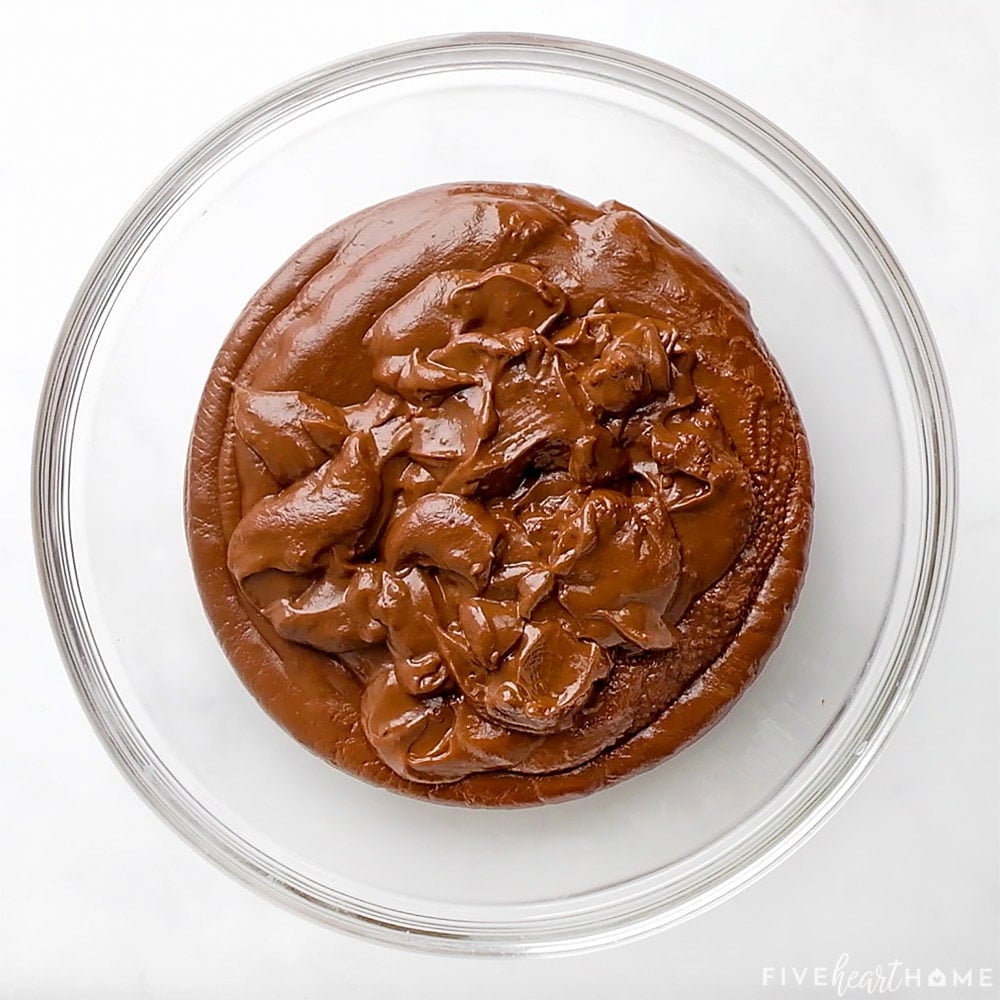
495, 497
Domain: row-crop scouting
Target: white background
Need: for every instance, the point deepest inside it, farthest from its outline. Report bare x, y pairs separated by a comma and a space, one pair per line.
901, 100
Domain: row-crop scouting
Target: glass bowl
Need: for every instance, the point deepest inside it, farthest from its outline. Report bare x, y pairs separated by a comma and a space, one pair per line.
833, 307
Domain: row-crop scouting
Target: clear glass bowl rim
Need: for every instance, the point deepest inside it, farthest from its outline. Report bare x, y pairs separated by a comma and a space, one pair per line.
603, 917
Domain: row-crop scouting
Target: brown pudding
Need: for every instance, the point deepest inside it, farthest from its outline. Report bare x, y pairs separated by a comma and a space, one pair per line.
495, 497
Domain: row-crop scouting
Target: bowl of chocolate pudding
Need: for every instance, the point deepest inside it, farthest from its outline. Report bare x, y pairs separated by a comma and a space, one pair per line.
495, 495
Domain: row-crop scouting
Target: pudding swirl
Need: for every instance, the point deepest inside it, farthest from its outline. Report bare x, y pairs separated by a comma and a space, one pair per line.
495, 496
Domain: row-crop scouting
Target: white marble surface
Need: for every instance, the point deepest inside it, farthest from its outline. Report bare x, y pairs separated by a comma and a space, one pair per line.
901, 100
